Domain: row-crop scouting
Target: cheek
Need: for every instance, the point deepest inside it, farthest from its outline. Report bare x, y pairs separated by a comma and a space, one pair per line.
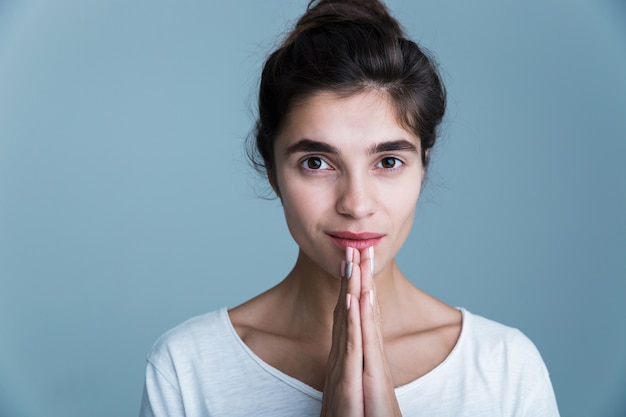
401, 208
403, 196
301, 204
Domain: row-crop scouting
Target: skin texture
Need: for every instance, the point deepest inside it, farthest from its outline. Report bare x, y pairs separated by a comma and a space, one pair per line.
358, 381
346, 170
352, 192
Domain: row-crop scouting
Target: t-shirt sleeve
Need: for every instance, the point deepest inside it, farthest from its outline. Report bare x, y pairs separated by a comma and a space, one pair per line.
161, 395
540, 399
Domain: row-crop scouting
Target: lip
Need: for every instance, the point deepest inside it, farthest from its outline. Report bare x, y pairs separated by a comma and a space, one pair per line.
360, 240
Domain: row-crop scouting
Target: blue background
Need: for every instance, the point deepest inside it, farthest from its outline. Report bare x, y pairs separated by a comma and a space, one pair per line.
127, 206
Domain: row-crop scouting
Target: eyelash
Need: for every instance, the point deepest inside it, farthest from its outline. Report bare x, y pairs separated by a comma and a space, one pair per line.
395, 167
304, 162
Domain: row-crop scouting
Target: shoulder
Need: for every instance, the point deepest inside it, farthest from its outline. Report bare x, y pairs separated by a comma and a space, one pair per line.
499, 358
191, 338
499, 346
485, 333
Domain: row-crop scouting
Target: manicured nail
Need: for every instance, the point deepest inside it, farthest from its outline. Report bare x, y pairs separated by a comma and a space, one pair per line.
371, 253
372, 298
349, 254
348, 301
346, 269
348, 272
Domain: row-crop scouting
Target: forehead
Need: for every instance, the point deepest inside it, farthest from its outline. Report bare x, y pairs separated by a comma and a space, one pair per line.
359, 119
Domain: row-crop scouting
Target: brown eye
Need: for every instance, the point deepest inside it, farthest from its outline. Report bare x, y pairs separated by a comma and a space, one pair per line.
388, 163
314, 163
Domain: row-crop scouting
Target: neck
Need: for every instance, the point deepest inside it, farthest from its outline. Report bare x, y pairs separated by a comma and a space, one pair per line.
310, 294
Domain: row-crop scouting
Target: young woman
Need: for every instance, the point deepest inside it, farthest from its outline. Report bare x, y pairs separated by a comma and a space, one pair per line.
348, 112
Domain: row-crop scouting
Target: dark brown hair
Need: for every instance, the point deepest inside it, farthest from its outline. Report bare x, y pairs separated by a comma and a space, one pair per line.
346, 47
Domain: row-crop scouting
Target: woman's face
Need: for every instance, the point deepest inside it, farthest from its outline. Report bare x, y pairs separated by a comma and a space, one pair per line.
347, 175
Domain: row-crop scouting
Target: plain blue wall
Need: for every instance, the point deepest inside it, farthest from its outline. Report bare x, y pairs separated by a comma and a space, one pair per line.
126, 205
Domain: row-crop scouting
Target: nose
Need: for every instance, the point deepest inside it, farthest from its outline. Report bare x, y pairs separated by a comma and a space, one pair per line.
356, 197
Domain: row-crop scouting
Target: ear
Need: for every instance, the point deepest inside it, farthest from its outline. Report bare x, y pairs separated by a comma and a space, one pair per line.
426, 158
271, 177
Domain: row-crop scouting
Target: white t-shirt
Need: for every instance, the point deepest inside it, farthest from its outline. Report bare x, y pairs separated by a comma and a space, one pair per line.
202, 368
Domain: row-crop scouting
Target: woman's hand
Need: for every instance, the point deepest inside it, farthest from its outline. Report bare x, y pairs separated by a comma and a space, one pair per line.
358, 380
343, 388
379, 397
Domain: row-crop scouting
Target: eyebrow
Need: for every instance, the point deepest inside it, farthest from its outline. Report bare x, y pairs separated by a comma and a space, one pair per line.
393, 146
308, 145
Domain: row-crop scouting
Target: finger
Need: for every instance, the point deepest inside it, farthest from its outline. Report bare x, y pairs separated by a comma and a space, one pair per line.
367, 270
340, 318
352, 272
343, 287
343, 388
340, 323
374, 361
371, 323
347, 349
354, 340
378, 386
379, 395
347, 341
354, 343
368, 286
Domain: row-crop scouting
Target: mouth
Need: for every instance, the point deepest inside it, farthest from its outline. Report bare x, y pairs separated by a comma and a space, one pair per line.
358, 241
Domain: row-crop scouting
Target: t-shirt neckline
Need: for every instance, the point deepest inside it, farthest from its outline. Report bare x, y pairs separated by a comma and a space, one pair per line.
309, 390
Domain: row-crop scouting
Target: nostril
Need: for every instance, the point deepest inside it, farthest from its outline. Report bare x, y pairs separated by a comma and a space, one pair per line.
355, 202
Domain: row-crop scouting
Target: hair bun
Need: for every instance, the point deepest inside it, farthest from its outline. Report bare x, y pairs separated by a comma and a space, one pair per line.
347, 47
320, 12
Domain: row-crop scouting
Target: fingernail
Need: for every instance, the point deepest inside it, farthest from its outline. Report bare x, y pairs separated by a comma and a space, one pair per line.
348, 271
371, 253
372, 298
348, 301
349, 254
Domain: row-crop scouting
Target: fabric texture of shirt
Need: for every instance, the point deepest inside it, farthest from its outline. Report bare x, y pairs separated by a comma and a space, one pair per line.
202, 368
